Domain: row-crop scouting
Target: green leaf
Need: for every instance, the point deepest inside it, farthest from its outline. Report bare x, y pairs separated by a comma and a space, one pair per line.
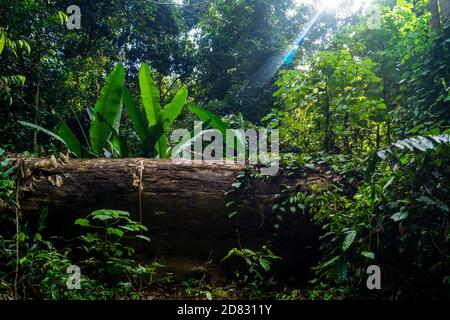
2, 40
229, 204
231, 215
236, 185
264, 264
155, 134
141, 227
431, 202
117, 142
143, 237
39, 128
108, 213
171, 111
390, 181
137, 117
37, 237
330, 262
342, 267
42, 218
109, 105
116, 146
89, 237
241, 121
102, 217
150, 99
23, 260
368, 254
162, 146
21, 237
115, 231
372, 164
72, 142
349, 238
214, 120
117, 213
208, 295
82, 222
190, 139
149, 95
399, 216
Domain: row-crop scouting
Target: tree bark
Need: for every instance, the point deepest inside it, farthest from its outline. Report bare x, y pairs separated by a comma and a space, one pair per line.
183, 205
435, 16
445, 12
328, 140
378, 139
37, 97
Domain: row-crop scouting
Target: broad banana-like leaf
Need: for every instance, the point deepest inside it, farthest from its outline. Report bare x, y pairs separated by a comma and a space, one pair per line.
214, 120
217, 123
39, 128
155, 134
109, 106
162, 147
190, 139
116, 140
85, 153
150, 99
166, 118
149, 95
136, 116
241, 138
70, 139
119, 144
171, 111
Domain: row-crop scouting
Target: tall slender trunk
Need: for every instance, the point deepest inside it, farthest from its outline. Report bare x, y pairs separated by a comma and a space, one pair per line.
36, 117
386, 99
37, 97
346, 137
328, 137
445, 12
378, 137
389, 108
435, 16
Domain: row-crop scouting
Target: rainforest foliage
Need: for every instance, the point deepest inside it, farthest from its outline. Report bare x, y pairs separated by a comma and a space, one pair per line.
365, 97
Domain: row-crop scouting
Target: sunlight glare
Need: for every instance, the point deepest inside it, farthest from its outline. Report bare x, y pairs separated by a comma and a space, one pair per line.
332, 4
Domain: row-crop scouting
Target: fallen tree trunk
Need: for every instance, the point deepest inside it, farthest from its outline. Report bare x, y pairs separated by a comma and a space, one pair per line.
183, 205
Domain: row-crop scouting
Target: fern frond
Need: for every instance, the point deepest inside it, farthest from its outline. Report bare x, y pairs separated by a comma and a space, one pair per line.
418, 143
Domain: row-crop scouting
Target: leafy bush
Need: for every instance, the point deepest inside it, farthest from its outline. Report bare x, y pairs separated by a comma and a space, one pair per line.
108, 269
253, 276
399, 220
108, 256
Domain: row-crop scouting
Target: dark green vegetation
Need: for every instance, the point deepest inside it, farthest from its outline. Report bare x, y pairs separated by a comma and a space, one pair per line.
370, 105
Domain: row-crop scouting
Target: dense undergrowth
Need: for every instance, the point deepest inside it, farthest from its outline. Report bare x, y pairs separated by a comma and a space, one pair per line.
396, 218
370, 106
